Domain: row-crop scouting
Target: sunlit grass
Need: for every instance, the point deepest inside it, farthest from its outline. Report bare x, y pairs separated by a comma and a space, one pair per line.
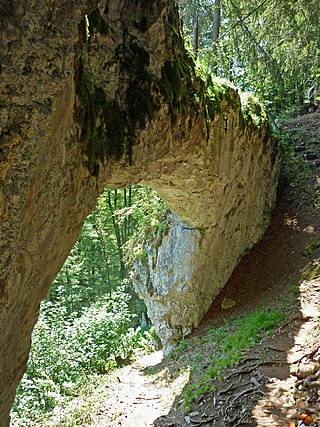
219, 348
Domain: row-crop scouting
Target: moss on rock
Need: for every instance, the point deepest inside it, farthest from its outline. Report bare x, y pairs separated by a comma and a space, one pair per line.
253, 108
176, 85
96, 22
141, 102
103, 122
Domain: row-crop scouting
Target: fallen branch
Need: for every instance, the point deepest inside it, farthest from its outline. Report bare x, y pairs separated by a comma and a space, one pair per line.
310, 353
233, 387
269, 347
308, 380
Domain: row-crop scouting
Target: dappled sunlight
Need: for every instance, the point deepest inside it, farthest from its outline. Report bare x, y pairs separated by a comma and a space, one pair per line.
283, 401
133, 396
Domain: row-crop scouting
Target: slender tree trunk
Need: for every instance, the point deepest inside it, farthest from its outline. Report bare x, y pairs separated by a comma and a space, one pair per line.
216, 31
125, 222
196, 34
129, 204
117, 231
104, 248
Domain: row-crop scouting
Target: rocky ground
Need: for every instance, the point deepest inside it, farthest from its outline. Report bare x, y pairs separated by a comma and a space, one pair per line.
278, 379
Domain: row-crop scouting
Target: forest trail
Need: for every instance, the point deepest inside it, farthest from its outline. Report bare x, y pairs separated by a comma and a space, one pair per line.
136, 399
278, 378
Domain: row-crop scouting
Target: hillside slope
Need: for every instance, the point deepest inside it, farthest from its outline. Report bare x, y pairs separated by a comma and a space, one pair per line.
277, 379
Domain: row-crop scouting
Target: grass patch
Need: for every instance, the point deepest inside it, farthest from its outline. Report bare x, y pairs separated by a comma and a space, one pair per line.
221, 348
77, 411
313, 245
312, 270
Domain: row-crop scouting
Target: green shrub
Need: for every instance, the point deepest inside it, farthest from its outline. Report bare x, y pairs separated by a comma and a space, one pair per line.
68, 349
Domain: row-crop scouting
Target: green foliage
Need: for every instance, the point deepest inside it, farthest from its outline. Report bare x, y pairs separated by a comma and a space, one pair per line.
67, 349
112, 236
271, 48
296, 171
150, 214
88, 319
252, 107
312, 269
313, 245
220, 348
216, 89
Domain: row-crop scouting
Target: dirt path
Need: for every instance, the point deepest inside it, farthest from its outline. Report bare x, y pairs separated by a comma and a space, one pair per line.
278, 379
136, 399
283, 400
260, 391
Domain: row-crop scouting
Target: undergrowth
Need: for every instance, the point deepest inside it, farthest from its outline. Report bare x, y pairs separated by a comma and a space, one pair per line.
220, 348
312, 270
69, 353
298, 139
297, 172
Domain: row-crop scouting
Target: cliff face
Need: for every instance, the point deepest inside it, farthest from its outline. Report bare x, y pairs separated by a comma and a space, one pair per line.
101, 94
223, 191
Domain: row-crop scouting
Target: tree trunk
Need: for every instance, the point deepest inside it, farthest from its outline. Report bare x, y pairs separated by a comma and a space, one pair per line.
196, 35
216, 31
118, 232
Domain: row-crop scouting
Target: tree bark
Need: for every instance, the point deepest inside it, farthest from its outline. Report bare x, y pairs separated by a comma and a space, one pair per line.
216, 30
196, 34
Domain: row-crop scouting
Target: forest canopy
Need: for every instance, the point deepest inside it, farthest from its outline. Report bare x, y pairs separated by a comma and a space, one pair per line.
270, 47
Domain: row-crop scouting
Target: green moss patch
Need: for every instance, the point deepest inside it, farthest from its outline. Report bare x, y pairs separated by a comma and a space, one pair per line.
176, 85
141, 102
220, 348
103, 122
253, 108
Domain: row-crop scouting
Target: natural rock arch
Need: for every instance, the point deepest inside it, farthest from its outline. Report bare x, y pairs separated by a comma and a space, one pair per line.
111, 100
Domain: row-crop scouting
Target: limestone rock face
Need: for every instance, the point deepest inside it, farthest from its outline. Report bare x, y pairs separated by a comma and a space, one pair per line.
225, 198
97, 94
166, 282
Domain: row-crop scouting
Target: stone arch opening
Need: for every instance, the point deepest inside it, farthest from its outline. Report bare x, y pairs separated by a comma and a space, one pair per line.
220, 182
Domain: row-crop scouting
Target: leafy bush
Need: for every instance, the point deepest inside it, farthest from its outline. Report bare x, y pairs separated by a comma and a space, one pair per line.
75, 336
67, 349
